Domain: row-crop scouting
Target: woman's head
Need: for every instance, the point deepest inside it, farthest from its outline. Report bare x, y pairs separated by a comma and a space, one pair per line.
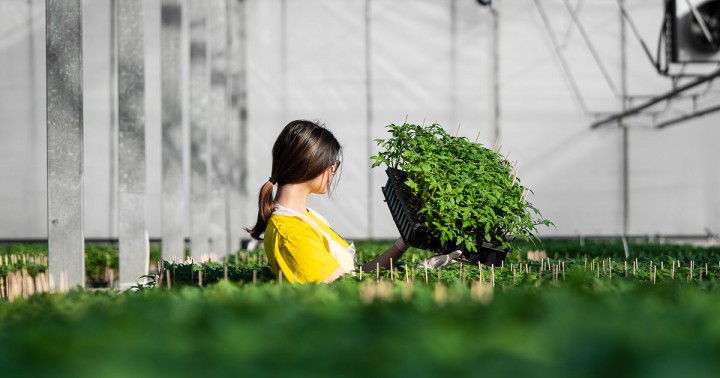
304, 151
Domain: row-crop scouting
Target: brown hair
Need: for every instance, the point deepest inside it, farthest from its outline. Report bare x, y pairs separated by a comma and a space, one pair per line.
302, 151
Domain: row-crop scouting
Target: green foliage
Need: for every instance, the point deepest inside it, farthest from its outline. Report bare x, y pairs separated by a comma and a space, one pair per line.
588, 322
566, 248
269, 329
464, 191
99, 257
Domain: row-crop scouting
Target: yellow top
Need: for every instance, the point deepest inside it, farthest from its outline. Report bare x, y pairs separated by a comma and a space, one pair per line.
299, 250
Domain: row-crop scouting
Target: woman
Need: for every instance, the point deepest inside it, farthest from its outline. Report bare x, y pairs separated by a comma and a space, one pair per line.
299, 242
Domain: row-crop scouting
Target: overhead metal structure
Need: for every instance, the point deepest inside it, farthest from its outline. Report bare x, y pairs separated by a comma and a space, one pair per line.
688, 53
690, 35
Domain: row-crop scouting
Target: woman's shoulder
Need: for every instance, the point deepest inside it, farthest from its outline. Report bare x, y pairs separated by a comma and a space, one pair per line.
290, 227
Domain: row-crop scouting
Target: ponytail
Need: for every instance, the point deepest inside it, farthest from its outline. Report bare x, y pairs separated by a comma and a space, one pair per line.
266, 206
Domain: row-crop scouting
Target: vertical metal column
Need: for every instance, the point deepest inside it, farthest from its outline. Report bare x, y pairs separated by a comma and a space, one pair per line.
217, 129
623, 126
33, 179
174, 204
237, 122
66, 245
283, 62
113, 140
495, 71
369, 116
134, 253
453, 63
199, 95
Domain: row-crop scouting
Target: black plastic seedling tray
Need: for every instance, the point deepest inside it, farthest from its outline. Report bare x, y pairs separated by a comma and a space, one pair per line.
416, 234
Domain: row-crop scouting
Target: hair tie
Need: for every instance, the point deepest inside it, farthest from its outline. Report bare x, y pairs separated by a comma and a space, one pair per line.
272, 180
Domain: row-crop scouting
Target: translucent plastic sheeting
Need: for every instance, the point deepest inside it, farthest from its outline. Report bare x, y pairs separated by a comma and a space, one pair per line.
358, 65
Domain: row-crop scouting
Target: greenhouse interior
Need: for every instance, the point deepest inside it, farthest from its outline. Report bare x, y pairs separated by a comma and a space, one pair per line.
514, 186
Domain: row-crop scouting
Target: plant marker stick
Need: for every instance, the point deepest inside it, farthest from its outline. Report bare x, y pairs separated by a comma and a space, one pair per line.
481, 272
563, 268
691, 270
672, 272
160, 279
377, 272
361, 273
634, 267
254, 276
513, 270
200, 277
426, 276
167, 275
654, 274
701, 271
392, 277
492, 274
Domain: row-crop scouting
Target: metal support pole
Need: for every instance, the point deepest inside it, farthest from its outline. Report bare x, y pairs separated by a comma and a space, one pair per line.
369, 115
66, 245
199, 94
623, 125
453, 63
113, 137
174, 203
495, 71
134, 250
237, 122
217, 128
283, 61
667, 96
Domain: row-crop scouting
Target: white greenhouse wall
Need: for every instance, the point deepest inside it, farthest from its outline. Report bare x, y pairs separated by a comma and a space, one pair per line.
310, 62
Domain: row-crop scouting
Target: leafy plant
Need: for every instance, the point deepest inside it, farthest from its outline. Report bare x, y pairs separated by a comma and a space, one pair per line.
465, 192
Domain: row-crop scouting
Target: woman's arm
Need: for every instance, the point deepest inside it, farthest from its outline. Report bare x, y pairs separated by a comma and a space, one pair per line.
383, 261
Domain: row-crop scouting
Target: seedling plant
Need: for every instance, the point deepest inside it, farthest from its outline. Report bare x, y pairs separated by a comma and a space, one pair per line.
464, 191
